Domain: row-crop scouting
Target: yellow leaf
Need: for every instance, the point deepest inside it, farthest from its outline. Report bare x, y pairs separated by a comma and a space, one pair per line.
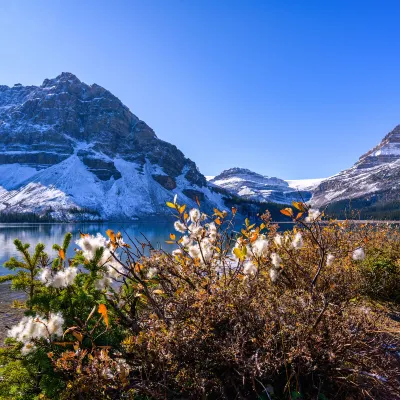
158, 291
182, 209
103, 311
170, 205
186, 216
169, 242
239, 253
61, 254
138, 267
110, 233
247, 222
219, 213
298, 205
287, 211
172, 236
179, 291
262, 226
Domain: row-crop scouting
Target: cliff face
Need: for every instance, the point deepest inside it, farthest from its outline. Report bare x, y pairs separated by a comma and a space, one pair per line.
66, 145
375, 176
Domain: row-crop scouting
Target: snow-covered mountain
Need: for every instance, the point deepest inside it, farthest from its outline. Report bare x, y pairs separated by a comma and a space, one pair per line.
74, 151
253, 186
374, 177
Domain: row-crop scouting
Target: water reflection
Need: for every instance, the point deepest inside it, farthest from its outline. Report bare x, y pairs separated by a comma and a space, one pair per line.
49, 234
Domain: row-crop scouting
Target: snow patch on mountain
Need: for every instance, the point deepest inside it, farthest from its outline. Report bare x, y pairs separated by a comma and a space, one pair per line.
304, 184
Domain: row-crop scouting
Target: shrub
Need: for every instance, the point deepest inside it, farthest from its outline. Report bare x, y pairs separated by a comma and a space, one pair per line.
254, 314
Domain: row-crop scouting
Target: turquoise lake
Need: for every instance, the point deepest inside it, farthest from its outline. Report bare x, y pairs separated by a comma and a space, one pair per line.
50, 234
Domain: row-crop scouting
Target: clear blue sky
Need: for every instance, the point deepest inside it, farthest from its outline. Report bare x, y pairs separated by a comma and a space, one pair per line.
294, 89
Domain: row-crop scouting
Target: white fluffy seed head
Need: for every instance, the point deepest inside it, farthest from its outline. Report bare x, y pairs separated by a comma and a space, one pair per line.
194, 251
179, 227
260, 247
38, 327
45, 275
186, 241
359, 254
89, 244
274, 274
313, 215
297, 242
276, 260
330, 259
151, 272
278, 239
194, 215
249, 268
102, 283
60, 279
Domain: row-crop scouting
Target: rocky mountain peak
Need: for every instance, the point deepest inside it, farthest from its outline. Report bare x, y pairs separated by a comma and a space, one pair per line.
387, 151
64, 77
374, 178
67, 122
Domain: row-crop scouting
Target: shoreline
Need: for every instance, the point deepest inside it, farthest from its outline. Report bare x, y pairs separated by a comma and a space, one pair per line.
9, 316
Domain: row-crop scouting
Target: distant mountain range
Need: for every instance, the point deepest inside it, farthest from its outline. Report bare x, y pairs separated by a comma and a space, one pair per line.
253, 186
71, 151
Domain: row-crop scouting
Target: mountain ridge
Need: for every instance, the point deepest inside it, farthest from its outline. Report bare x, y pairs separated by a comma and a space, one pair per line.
68, 145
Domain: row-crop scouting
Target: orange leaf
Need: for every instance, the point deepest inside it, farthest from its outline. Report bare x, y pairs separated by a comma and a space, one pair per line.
61, 254
197, 201
287, 211
172, 236
218, 221
110, 233
254, 237
299, 215
234, 210
103, 311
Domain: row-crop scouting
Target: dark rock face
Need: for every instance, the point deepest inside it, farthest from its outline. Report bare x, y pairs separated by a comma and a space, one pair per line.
52, 118
194, 194
165, 181
376, 173
103, 169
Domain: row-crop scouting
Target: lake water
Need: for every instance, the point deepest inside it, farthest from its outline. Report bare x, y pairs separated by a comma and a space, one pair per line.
50, 234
